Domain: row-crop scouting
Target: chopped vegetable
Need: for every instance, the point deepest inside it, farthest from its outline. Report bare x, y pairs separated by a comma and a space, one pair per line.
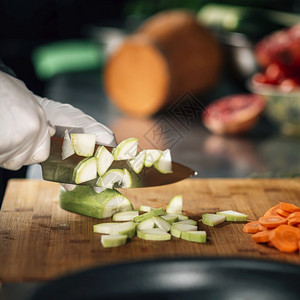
177, 229
127, 149
125, 215
179, 217
194, 236
233, 216
188, 221
67, 148
161, 223
104, 160
126, 228
146, 224
86, 170
152, 156
144, 208
175, 205
84, 200
103, 227
252, 227
272, 221
170, 218
282, 213
83, 143
154, 234
271, 211
153, 213
164, 163
115, 240
137, 163
115, 178
261, 236
288, 207
213, 219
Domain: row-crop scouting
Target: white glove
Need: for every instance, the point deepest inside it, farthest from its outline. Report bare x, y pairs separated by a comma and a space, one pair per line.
25, 132
65, 115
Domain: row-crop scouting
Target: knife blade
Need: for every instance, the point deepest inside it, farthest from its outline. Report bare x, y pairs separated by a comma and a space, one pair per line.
58, 170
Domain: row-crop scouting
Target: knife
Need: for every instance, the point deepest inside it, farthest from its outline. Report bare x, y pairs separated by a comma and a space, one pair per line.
58, 170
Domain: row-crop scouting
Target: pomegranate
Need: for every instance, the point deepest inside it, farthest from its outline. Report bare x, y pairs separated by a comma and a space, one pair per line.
234, 114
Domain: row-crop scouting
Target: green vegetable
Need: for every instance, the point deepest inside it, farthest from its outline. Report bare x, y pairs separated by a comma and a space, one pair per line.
233, 216
175, 205
177, 229
154, 234
213, 219
115, 240
194, 236
153, 213
125, 215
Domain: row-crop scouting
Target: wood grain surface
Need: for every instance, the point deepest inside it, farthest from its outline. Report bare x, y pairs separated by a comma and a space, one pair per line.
40, 241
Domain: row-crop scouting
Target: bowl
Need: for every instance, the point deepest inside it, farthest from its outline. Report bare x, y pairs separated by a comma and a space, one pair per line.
282, 108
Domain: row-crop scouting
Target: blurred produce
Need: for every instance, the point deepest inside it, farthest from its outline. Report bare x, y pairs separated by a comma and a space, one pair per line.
171, 53
234, 114
279, 56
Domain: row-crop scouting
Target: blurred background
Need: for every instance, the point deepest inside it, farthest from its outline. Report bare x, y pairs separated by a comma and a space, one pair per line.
69, 51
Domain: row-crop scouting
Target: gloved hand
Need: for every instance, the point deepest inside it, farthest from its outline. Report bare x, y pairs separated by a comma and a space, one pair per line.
65, 115
25, 132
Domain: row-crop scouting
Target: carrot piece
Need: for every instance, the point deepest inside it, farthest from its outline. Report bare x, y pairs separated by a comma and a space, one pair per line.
261, 236
294, 221
298, 226
289, 207
282, 213
271, 211
272, 221
285, 238
294, 215
252, 227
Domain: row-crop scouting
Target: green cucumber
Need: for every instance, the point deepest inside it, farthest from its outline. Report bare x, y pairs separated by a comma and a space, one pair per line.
85, 170
84, 200
67, 148
125, 215
137, 163
146, 224
175, 205
152, 156
164, 163
170, 218
194, 236
212, 219
144, 208
83, 143
187, 221
177, 229
153, 213
103, 228
104, 160
127, 149
154, 234
115, 178
233, 216
179, 217
161, 223
127, 228
115, 240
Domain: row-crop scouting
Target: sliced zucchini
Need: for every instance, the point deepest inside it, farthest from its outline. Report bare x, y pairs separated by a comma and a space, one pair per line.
170, 218
84, 200
146, 224
83, 143
177, 229
179, 217
187, 221
103, 228
194, 236
115, 178
154, 234
144, 208
115, 240
67, 148
86, 170
161, 223
212, 219
164, 163
153, 213
152, 156
104, 160
127, 149
125, 215
127, 228
175, 205
233, 216
137, 163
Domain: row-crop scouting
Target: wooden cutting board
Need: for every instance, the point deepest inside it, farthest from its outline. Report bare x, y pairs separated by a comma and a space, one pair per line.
40, 241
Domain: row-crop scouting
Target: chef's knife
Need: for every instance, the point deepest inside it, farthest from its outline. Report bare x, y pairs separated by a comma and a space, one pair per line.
58, 170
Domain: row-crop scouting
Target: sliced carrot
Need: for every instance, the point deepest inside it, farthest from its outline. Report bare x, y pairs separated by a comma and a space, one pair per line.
294, 215
298, 226
285, 238
252, 227
272, 221
261, 237
262, 228
271, 211
288, 207
294, 221
282, 213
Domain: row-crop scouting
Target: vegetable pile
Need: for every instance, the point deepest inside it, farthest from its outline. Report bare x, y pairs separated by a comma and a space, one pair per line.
279, 227
159, 224
98, 165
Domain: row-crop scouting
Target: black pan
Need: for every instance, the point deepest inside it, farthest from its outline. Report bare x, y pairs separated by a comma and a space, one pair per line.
210, 278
